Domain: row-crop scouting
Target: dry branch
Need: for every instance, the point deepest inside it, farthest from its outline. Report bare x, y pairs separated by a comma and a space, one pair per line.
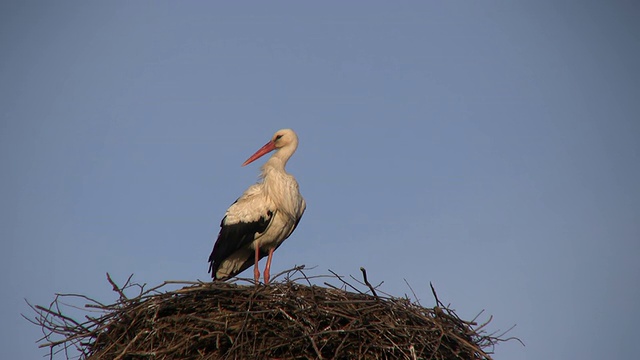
292, 319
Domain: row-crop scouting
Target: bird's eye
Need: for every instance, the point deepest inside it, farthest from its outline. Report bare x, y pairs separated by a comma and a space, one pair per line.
278, 137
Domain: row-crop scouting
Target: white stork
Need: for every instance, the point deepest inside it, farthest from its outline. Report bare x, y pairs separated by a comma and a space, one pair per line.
263, 217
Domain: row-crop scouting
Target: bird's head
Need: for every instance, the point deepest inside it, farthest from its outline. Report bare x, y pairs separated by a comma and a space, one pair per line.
285, 138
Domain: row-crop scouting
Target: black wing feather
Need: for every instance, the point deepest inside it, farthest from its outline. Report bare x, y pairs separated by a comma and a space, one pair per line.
251, 260
233, 237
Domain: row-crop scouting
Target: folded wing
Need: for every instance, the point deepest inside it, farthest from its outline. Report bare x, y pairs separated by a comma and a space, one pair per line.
245, 221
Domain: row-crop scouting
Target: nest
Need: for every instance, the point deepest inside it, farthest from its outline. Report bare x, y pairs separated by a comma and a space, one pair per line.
290, 319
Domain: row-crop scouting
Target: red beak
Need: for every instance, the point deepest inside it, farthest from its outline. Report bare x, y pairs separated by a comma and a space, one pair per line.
267, 148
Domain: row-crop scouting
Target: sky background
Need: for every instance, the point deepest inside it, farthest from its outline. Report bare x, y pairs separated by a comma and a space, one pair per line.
489, 147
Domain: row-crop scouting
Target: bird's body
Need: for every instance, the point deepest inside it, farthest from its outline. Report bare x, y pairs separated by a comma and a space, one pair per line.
263, 217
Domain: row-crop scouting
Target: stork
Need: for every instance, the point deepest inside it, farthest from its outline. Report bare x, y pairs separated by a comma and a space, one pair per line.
262, 218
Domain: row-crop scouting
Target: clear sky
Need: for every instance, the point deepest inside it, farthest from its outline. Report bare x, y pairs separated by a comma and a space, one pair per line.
490, 147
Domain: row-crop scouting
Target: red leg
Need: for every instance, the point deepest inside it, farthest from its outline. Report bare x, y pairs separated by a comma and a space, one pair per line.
268, 267
256, 271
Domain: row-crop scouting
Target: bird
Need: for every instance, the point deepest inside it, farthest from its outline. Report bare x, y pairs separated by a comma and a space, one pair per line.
266, 214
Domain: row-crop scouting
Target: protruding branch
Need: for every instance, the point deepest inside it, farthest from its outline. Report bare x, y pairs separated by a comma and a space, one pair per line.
364, 276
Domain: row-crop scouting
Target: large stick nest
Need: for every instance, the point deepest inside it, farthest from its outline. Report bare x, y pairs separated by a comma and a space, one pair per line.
292, 319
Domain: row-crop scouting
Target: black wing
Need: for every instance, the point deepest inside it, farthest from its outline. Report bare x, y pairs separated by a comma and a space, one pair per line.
233, 237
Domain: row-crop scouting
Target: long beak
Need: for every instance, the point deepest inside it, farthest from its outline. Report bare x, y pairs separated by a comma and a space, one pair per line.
267, 148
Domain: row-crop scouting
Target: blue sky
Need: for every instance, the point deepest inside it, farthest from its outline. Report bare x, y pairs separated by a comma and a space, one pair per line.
488, 147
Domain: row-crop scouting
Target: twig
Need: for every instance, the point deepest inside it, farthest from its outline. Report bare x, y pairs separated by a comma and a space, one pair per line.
288, 272
364, 276
433, 291
344, 282
413, 292
116, 288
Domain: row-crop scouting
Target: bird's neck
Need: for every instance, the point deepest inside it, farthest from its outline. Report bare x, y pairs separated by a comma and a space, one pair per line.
274, 164
273, 173
279, 186
278, 160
